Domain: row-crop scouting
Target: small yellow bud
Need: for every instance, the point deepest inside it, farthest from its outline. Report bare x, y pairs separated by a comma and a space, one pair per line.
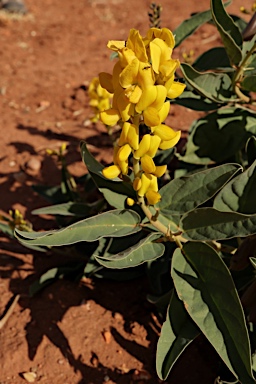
133, 136
145, 183
154, 145
123, 153
170, 143
124, 134
111, 172
110, 117
164, 132
136, 183
130, 202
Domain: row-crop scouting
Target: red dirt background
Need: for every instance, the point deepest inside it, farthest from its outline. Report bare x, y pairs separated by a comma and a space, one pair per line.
94, 331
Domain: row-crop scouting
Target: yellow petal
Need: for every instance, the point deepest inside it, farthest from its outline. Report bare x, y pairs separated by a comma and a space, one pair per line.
115, 45
116, 72
111, 172
145, 183
106, 81
164, 132
155, 53
160, 98
123, 153
151, 117
153, 197
148, 96
126, 56
136, 183
135, 42
123, 105
144, 146
170, 143
160, 170
176, 90
154, 145
133, 93
147, 164
153, 183
133, 136
124, 167
110, 117
123, 139
167, 68
164, 111
128, 76
146, 76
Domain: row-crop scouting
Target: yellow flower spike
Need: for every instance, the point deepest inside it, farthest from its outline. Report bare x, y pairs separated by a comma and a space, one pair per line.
148, 97
170, 143
160, 170
130, 202
133, 93
176, 90
106, 81
111, 172
153, 197
133, 137
123, 153
135, 42
110, 117
164, 111
116, 45
136, 183
129, 74
160, 98
164, 132
151, 117
123, 139
154, 145
147, 164
145, 183
144, 146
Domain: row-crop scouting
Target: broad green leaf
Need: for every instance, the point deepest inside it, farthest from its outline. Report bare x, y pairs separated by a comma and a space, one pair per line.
188, 192
229, 32
189, 26
204, 224
214, 86
115, 191
204, 284
178, 331
194, 101
145, 250
249, 83
239, 194
212, 59
69, 209
116, 223
218, 136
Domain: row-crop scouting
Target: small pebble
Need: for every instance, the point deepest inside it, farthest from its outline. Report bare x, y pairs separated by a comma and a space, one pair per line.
33, 164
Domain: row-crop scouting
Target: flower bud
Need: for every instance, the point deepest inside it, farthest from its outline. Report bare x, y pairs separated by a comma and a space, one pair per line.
123, 153
130, 202
160, 170
147, 164
143, 147
136, 183
154, 145
153, 197
170, 143
111, 172
145, 183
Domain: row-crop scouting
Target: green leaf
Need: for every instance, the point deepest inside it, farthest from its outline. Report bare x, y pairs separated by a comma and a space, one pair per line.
214, 86
139, 253
205, 224
69, 209
214, 58
204, 284
239, 194
189, 26
115, 191
229, 32
178, 331
218, 136
249, 83
188, 192
116, 223
194, 101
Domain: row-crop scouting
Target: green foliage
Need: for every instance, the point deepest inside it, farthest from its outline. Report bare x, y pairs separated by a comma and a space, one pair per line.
195, 230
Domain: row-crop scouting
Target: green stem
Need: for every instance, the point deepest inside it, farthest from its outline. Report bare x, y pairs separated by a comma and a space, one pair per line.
240, 73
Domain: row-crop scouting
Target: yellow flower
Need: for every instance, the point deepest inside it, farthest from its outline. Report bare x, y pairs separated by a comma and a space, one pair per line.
152, 197
111, 172
129, 135
110, 117
147, 164
143, 147
170, 143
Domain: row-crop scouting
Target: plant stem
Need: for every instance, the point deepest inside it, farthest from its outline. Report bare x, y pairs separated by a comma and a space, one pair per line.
240, 73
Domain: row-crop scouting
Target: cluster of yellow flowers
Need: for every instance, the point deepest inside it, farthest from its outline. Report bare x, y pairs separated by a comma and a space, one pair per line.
100, 98
142, 80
